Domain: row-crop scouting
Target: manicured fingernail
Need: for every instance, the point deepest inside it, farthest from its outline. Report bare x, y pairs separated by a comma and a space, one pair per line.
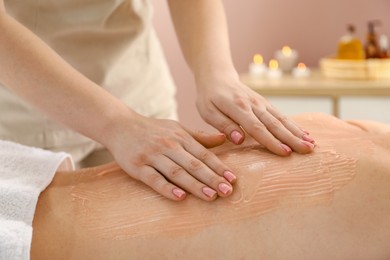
229, 176
308, 138
224, 188
179, 193
286, 148
209, 192
310, 145
236, 137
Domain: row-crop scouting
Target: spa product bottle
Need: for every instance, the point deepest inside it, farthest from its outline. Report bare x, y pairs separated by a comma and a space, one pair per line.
350, 47
372, 46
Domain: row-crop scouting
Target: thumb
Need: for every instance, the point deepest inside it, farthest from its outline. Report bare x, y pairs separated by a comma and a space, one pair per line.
209, 140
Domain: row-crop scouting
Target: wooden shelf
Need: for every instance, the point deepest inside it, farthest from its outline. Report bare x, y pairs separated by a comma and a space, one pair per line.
317, 86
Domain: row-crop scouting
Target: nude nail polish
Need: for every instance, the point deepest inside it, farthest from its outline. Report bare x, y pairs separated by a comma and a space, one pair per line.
236, 137
308, 139
286, 148
229, 176
178, 193
308, 144
224, 188
209, 192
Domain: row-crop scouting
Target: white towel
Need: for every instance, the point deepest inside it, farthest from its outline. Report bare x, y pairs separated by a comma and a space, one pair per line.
24, 173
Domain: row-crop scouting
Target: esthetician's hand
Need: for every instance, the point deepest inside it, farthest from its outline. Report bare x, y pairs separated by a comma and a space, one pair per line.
231, 106
170, 160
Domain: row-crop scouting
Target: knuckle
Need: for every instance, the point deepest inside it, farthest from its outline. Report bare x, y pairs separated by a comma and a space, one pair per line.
205, 156
261, 111
259, 127
195, 165
180, 135
140, 160
166, 142
274, 124
175, 171
226, 126
282, 118
255, 101
241, 102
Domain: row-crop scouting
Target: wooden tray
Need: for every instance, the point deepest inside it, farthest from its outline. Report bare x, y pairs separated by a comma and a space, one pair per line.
355, 69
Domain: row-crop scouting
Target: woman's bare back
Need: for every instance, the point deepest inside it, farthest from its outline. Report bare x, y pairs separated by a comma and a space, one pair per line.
331, 204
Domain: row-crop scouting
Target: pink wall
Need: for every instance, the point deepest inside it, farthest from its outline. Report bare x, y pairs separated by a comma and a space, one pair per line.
261, 26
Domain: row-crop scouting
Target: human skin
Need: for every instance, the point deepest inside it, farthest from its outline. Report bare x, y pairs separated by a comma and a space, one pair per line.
203, 37
331, 204
137, 142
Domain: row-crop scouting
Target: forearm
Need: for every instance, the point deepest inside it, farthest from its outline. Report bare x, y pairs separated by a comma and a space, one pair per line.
202, 32
223, 100
29, 68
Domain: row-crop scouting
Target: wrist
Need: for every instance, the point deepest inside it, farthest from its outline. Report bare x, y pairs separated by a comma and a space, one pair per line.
213, 75
115, 122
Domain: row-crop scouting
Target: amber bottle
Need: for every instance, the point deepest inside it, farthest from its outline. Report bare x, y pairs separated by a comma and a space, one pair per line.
350, 47
372, 47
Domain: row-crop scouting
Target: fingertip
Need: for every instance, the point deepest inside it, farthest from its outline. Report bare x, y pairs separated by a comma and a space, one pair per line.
287, 150
237, 137
307, 138
179, 194
220, 138
210, 193
209, 140
309, 147
225, 189
229, 176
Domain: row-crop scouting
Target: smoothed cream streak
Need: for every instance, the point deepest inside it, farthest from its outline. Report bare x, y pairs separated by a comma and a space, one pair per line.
266, 182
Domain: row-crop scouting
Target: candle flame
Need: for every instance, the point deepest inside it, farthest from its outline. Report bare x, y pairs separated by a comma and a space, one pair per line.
258, 59
301, 66
286, 51
273, 64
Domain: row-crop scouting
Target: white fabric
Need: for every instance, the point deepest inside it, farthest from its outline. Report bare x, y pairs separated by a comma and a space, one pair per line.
24, 173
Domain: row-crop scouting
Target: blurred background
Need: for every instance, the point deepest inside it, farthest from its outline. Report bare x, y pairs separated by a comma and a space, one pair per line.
313, 28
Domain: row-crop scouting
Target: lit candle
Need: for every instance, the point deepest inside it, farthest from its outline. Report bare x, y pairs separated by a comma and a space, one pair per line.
301, 71
273, 70
287, 58
257, 67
